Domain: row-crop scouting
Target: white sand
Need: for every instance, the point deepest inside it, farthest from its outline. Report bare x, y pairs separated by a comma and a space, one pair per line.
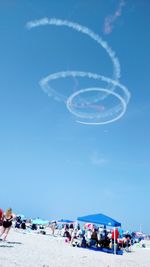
37, 250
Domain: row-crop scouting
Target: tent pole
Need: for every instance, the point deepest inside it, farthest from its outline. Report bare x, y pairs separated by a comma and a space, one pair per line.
76, 223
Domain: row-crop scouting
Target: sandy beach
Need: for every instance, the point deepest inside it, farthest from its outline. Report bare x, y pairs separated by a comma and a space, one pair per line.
37, 250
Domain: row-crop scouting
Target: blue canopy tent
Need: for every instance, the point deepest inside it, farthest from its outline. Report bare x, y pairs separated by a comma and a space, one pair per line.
64, 221
100, 219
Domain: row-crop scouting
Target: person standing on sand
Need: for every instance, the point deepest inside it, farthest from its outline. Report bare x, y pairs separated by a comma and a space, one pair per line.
7, 219
53, 227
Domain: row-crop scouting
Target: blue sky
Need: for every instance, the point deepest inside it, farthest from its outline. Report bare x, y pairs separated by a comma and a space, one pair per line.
50, 165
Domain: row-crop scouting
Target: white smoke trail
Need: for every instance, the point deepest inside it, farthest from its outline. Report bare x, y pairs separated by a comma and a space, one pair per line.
84, 30
123, 95
99, 117
82, 74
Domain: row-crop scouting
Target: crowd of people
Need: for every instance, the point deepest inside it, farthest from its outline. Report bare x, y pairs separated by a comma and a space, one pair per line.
89, 235
92, 236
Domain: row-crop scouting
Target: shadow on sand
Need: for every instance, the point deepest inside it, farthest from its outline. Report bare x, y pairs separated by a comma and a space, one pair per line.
13, 242
5, 246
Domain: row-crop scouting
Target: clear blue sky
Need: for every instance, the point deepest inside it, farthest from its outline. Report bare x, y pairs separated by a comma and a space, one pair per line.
50, 165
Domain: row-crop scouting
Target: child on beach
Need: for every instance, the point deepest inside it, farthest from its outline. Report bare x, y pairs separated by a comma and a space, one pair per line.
7, 218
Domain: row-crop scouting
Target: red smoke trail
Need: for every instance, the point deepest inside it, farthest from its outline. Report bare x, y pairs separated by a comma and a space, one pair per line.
110, 20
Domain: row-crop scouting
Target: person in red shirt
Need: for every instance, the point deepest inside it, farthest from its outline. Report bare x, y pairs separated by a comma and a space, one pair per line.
115, 235
1, 215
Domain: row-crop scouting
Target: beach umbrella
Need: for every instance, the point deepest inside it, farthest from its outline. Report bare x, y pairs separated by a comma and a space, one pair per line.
39, 221
89, 226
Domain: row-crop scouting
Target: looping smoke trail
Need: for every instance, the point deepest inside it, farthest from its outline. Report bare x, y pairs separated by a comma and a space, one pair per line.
82, 74
84, 30
123, 96
115, 113
74, 112
109, 20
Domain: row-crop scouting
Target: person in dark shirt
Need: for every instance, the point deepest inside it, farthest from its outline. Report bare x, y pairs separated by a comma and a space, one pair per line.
7, 219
